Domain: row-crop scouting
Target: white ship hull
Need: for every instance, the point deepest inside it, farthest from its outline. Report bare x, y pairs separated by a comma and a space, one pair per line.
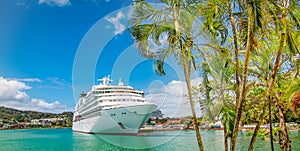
121, 120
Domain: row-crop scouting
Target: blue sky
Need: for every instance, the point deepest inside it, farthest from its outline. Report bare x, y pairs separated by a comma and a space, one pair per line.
48, 48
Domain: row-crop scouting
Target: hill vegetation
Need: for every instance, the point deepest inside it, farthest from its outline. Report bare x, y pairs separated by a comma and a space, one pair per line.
13, 119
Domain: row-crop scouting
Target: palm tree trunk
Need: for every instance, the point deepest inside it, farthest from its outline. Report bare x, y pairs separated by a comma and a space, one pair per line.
268, 96
186, 69
225, 139
286, 143
271, 127
243, 92
257, 127
236, 55
188, 83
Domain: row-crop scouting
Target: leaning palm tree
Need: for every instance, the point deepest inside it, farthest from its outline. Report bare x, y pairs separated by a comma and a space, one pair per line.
260, 70
173, 19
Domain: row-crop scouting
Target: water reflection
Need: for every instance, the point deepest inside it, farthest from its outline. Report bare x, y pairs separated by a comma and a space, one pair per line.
167, 140
141, 141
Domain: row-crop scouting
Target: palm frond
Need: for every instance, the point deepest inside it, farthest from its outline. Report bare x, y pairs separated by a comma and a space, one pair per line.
140, 34
293, 48
159, 67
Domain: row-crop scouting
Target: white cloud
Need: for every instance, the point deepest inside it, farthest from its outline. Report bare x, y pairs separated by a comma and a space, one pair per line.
25, 79
42, 105
119, 28
22, 4
12, 90
172, 98
57, 81
13, 94
59, 3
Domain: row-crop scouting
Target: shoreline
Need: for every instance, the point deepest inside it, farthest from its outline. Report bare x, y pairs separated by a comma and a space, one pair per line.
214, 129
37, 128
160, 129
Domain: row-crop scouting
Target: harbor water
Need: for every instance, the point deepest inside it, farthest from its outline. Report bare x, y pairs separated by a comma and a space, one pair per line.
66, 139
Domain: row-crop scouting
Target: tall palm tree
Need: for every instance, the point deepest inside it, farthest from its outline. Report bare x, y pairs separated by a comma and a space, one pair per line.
261, 68
175, 21
219, 19
254, 21
217, 13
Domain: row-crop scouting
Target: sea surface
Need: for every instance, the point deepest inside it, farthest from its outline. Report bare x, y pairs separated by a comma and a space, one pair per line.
65, 140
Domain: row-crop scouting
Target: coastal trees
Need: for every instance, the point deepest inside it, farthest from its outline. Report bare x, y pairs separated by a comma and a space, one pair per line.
241, 41
284, 25
174, 20
257, 38
216, 20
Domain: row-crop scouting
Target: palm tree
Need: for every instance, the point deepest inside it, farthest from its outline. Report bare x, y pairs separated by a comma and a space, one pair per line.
175, 21
254, 20
260, 70
217, 14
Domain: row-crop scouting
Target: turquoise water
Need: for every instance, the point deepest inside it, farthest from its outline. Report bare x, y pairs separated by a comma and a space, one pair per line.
65, 139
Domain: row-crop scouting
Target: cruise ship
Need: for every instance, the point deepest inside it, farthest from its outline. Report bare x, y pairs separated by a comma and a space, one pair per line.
111, 109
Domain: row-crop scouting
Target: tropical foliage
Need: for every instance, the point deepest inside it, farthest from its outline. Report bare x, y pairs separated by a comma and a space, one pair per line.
249, 58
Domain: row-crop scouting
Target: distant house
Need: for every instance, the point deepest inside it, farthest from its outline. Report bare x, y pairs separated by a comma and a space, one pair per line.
14, 126
46, 122
6, 126
174, 123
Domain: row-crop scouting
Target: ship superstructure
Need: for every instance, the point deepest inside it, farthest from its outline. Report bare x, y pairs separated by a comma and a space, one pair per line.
111, 109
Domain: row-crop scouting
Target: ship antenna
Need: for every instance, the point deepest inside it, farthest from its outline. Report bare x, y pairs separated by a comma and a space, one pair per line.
105, 80
120, 82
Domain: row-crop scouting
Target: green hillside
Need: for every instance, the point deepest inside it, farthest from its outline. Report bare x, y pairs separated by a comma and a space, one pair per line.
11, 117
